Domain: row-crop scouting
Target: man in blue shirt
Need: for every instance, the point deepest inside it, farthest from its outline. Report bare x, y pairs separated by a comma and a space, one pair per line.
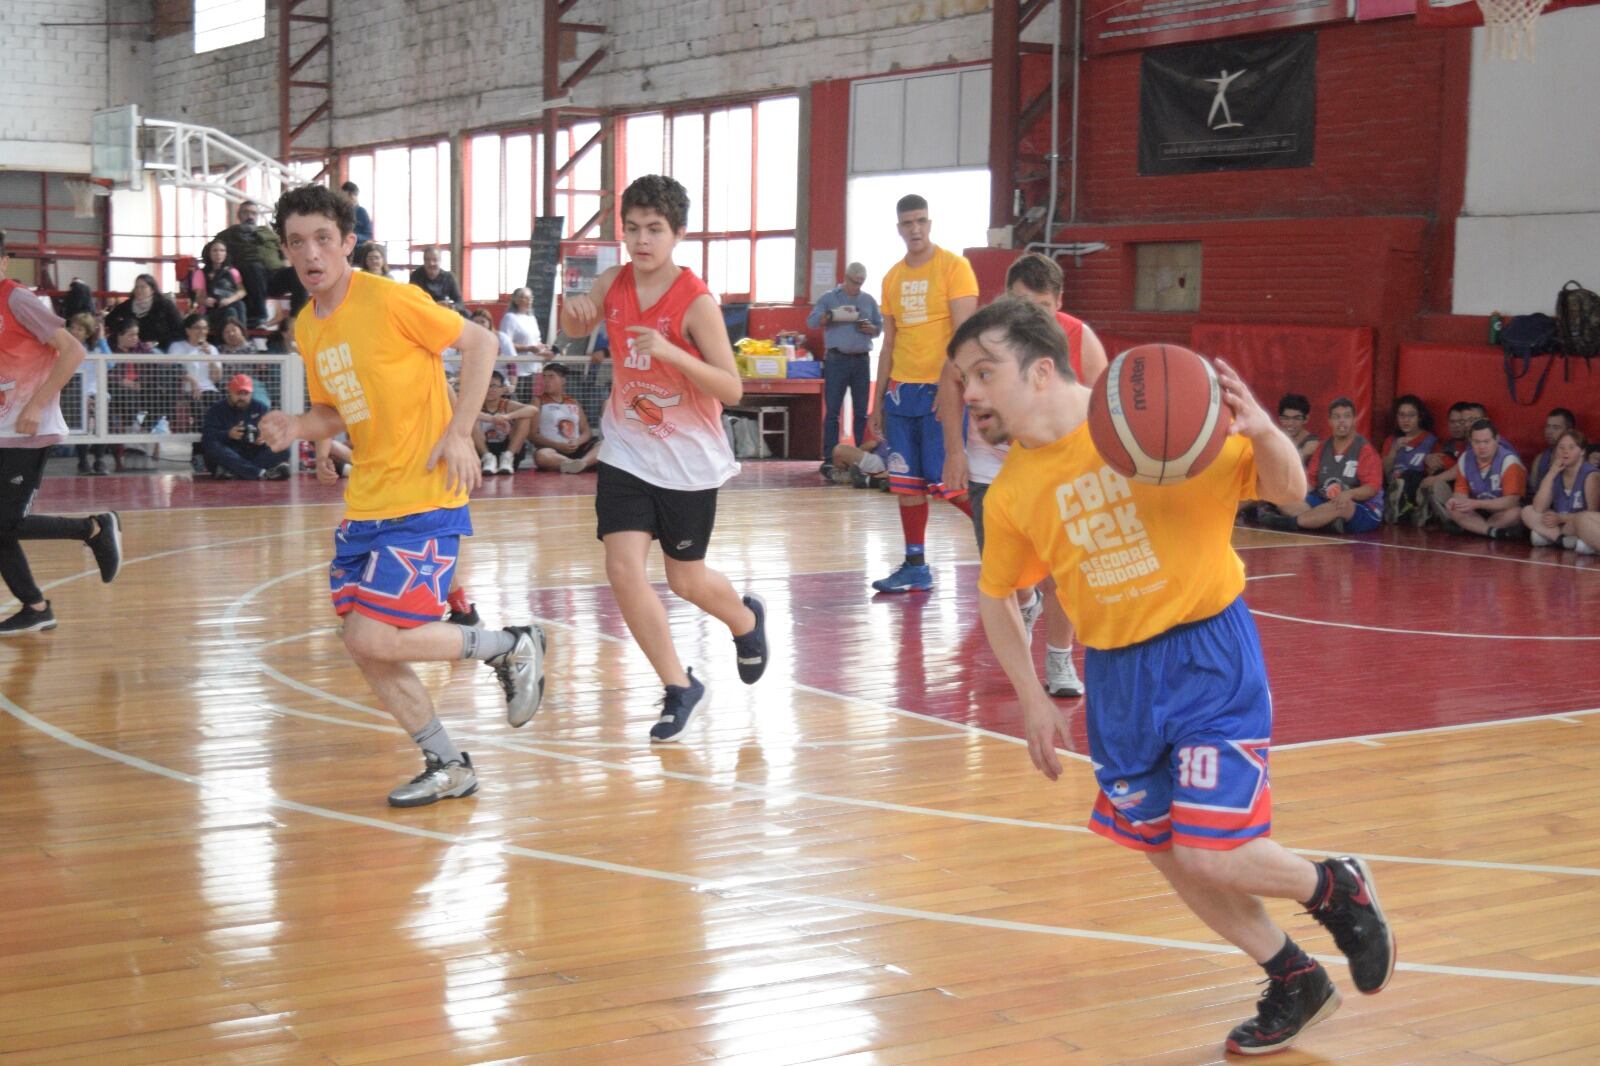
851, 319
363, 219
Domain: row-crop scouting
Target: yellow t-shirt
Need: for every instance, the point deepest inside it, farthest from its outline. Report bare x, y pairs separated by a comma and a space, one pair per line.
376, 360
1130, 560
918, 299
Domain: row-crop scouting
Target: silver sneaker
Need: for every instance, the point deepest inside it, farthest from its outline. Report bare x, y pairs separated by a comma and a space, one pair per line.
521, 674
438, 780
1031, 613
1061, 677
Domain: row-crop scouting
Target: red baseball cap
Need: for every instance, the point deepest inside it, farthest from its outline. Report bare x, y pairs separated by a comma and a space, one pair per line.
241, 383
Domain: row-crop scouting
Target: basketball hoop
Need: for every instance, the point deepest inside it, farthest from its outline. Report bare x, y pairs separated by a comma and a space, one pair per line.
84, 193
1508, 26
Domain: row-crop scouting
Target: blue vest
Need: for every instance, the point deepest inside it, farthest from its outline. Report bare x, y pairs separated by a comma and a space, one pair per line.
1486, 485
1342, 468
1409, 457
1570, 501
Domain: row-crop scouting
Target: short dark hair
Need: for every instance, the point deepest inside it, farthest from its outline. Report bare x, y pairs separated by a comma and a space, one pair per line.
1424, 416
497, 378
910, 202
1564, 414
1293, 401
1342, 401
1036, 272
1483, 423
556, 368
194, 319
661, 194
350, 187
1475, 406
1461, 405
1030, 331
315, 200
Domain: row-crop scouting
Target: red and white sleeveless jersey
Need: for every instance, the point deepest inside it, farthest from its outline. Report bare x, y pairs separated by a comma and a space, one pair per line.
25, 362
657, 425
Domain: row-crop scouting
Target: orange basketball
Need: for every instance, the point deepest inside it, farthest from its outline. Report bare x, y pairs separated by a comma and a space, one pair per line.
1157, 415
649, 411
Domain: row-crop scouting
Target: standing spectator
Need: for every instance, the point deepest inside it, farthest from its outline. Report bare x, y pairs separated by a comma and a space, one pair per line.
151, 310
255, 253
849, 319
1569, 488
232, 437
1346, 477
363, 220
1405, 456
1294, 410
926, 297
1557, 422
217, 287
520, 325
370, 258
437, 283
1489, 487
39, 356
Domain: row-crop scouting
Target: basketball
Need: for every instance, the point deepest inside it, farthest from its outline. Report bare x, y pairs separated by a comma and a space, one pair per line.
648, 410
1157, 415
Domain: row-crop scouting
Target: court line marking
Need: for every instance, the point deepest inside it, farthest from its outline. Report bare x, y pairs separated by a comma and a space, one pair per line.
1434, 551
1455, 728
1419, 632
535, 747
720, 886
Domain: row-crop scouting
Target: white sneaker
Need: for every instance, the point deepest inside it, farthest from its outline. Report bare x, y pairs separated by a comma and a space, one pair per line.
508, 462
573, 466
1031, 613
1060, 676
488, 462
1583, 547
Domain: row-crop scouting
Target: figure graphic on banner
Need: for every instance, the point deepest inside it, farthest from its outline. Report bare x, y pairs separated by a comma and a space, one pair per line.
1221, 100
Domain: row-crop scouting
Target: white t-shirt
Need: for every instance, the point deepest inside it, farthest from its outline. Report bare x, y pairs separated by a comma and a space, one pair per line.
520, 328
559, 421
201, 371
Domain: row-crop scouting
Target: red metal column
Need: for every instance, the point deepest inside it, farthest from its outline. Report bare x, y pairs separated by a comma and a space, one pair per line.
560, 42
1019, 129
304, 99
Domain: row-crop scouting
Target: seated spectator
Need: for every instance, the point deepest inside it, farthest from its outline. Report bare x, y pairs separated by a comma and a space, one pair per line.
520, 325
1405, 457
437, 283
89, 331
502, 428
216, 288
129, 383
1586, 532
1346, 477
1557, 422
151, 310
197, 388
235, 341
1439, 479
1569, 488
1293, 412
370, 257
334, 459
563, 440
363, 229
860, 467
1489, 486
79, 300
231, 437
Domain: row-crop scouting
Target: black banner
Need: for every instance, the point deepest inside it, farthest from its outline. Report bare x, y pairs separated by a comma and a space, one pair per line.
544, 257
1228, 105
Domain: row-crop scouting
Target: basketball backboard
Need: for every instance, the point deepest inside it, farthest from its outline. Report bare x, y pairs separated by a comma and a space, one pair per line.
114, 147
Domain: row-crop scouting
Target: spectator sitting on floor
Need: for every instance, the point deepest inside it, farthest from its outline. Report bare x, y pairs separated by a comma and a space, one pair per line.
437, 283
1405, 456
502, 430
1439, 479
1489, 486
151, 310
232, 437
1347, 478
1569, 488
334, 459
1294, 410
1586, 532
861, 466
563, 440
1557, 422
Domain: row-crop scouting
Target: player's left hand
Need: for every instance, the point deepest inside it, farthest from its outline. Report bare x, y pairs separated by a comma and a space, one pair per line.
463, 471
1250, 419
28, 418
1044, 724
327, 470
649, 342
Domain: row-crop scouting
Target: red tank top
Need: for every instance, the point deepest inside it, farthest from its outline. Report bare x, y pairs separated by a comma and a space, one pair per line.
1073, 328
657, 425
25, 363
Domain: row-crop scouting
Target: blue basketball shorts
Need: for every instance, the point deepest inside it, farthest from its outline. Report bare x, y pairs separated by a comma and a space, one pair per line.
1179, 727
915, 439
1365, 520
397, 570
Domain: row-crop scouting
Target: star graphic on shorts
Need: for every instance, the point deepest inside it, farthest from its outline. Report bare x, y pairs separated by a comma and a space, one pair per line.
426, 567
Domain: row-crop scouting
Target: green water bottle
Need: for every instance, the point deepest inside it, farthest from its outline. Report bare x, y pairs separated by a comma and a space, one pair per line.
1495, 322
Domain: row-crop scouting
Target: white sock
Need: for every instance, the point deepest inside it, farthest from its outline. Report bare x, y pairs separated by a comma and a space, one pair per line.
1058, 657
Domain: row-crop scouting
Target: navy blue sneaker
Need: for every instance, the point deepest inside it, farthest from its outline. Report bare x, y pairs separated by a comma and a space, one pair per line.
677, 707
751, 648
907, 578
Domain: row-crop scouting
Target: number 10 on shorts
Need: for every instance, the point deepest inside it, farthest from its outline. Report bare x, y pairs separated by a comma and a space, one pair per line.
1197, 767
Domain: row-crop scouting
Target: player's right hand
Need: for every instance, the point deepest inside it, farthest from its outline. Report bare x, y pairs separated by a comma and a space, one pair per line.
582, 311
279, 430
1044, 725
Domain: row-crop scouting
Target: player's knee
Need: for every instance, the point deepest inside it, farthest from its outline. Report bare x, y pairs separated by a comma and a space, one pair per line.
622, 569
1217, 869
367, 640
685, 581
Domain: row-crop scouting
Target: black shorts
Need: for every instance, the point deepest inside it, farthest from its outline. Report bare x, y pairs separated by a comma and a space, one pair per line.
681, 520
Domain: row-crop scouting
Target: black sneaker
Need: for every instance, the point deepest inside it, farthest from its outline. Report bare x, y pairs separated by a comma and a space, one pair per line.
469, 617
1288, 1006
1351, 913
752, 647
677, 707
280, 472
107, 545
28, 620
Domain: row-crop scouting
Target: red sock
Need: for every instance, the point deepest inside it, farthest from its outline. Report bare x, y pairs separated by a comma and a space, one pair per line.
458, 600
914, 522
962, 503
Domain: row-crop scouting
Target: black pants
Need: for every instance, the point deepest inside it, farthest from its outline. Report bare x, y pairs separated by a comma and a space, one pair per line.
260, 284
247, 462
20, 471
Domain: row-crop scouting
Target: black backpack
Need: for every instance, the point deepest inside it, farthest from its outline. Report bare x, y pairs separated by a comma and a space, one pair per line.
1523, 338
1578, 320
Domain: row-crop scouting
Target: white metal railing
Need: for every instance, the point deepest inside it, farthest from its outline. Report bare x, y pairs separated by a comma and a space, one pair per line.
200, 157
101, 408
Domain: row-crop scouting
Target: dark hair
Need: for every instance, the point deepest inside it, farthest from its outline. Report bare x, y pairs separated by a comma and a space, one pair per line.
1424, 416
1475, 406
366, 249
2, 242
910, 202
315, 200
1293, 401
1571, 419
205, 253
497, 378
557, 369
1036, 272
195, 318
1027, 329
1483, 423
150, 280
1461, 405
350, 187
661, 194
1342, 401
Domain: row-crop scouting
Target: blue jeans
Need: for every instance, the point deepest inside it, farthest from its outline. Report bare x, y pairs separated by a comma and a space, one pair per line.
841, 371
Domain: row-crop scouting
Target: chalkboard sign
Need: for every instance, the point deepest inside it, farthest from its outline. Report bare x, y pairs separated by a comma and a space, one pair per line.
544, 261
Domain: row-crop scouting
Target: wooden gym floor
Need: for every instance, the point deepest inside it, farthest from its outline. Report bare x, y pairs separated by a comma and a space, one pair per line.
851, 862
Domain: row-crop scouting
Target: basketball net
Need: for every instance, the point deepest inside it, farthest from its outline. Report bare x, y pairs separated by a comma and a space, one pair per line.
84, 194
1508, 26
